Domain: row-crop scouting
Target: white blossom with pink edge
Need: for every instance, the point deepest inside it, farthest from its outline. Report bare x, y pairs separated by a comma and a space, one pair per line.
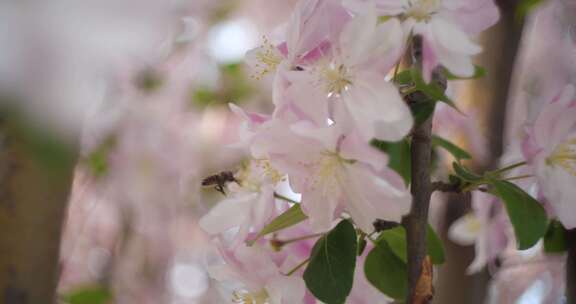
309, 31
550, 149
445, 25
260, 277
353, 74
250, 204
335, 170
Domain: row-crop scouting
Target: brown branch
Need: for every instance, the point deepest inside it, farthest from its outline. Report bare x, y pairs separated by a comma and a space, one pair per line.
446, 187
416, 221
571, 268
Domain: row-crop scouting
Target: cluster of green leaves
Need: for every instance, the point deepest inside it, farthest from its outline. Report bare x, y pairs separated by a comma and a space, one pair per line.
330, 272
526, 214
386, 264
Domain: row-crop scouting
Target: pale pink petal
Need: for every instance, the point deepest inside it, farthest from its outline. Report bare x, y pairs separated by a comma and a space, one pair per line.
229, 213
320, 206
377, 108
286, 290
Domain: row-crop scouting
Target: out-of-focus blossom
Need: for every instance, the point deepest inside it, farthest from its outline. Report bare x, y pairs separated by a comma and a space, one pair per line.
445, 26
260, 278
536, 279
550, 148
59, 57
487, 227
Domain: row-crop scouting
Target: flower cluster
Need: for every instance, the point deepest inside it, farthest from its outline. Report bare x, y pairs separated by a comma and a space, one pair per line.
332, 95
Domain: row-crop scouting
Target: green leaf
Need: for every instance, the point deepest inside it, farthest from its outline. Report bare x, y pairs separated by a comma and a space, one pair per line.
422, 110
456, 151
479, 72
555, 238
396, 239
435, 247
399, 156
432, 90
330, 272
361, 245
89, 295
465, 174
386, 271
289, 218
526, 214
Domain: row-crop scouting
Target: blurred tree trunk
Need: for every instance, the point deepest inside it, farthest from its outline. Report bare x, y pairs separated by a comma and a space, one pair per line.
36, 172
501, 44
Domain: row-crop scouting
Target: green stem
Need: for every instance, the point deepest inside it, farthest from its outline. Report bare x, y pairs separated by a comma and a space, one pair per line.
518, 177
288, 241
291, 272
508, 168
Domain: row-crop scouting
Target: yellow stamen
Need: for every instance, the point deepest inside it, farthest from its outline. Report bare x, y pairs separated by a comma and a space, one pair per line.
564, 156
268, 59
335, 77
422, 10
245, 297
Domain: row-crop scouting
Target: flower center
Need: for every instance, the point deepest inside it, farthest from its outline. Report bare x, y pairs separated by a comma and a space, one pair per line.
422, 10
252, 175
564, 156
328, 172
245, 297
267, 59
335, 77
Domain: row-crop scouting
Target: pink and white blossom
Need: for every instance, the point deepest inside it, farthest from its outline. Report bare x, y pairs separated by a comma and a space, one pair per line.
550, 149
250, 204
446, 27
335, 170
260, 277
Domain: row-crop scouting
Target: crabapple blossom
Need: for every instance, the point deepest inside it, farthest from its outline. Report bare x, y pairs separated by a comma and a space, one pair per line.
335, 170
250, 204
261, 279
550, 149
445, 26
308, 35
353, 75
